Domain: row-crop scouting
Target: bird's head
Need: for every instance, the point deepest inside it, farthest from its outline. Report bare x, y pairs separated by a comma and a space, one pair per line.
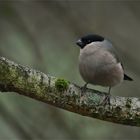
85, 40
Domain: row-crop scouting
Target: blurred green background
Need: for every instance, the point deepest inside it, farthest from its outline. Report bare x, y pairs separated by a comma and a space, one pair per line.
42, 35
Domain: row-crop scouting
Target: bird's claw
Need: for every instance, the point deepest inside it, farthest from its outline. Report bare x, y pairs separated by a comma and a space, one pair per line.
106, 100
83, 88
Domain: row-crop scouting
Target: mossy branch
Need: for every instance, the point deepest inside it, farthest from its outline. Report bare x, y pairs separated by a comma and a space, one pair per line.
63, 94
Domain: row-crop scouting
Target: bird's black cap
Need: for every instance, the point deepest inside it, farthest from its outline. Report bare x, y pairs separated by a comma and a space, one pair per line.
83, 41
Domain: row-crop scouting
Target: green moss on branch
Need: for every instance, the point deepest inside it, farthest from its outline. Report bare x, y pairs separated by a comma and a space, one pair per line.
61, 84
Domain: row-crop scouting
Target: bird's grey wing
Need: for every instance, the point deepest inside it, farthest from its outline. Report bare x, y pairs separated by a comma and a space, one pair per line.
108, 45
113, 51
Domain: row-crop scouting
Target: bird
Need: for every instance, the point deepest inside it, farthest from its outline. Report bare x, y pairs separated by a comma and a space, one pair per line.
99, 63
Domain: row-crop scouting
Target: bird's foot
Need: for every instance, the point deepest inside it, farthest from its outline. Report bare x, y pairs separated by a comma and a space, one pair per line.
83, 88
106, 100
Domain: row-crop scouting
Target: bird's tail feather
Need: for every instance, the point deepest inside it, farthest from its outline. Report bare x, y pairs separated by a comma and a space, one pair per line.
127, 78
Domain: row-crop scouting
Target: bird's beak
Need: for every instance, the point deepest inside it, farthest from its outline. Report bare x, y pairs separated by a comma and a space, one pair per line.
79, 43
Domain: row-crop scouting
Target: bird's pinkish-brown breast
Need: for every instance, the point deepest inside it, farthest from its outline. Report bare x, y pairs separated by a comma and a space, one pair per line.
98, 66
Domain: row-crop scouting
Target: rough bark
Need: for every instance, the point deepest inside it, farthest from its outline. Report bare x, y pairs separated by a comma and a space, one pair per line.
63, 94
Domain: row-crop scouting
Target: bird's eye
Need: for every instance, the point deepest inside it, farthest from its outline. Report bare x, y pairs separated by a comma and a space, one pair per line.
88, 41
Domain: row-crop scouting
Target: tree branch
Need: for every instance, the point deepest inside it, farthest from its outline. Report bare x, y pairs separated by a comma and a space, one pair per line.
63, 94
